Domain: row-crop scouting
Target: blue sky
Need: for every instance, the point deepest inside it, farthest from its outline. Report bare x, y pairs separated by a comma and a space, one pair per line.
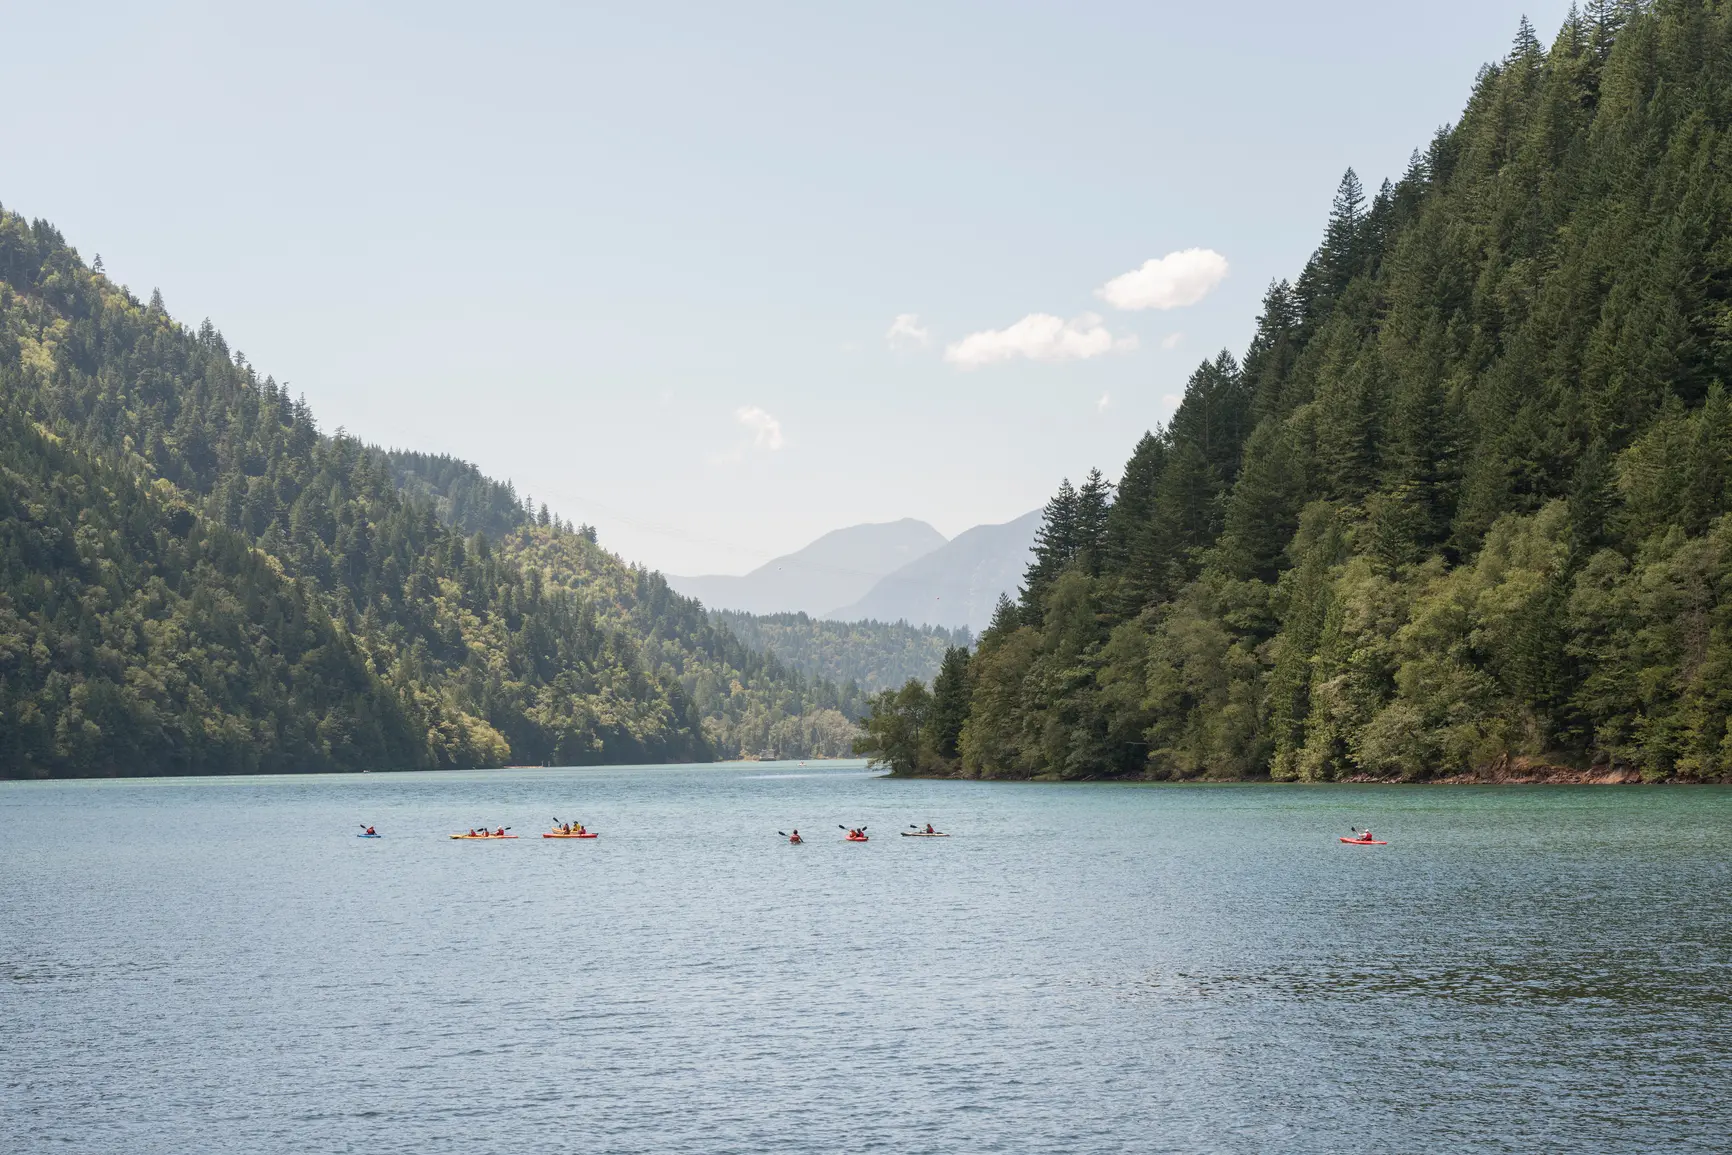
648, 260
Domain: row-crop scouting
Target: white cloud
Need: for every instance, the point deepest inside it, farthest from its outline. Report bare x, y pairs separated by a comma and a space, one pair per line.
766, 430
1101, 405
1176, 280
1172, 340
1039, 337
906, 332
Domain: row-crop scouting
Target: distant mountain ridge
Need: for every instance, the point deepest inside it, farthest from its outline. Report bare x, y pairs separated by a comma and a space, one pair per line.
838, 568
864, 655
955, 586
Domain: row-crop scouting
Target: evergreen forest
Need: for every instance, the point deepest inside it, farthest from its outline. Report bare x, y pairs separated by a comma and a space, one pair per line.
870, 655
1462, 506
195, 579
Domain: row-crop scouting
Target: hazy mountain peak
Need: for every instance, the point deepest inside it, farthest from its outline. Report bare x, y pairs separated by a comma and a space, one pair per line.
837, 568
955, 585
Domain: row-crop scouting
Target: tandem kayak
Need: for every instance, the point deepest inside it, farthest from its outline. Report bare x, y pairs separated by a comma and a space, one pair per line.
562, 834
857, 838
923, 834
1365, 842
482, 837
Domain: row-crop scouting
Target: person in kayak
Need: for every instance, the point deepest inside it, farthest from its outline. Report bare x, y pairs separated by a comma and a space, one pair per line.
929, 829
369, 830
472, 832
795, 837
1366, 836
500, 833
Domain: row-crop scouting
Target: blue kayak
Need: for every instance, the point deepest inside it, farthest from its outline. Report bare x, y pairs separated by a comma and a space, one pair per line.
369, 836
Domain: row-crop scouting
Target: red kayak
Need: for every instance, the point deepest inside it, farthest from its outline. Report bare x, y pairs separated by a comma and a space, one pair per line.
858, 838
1365, 842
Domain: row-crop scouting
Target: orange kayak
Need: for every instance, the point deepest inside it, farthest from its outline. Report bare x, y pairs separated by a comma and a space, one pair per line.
858, 838
1365, 842
562, 834
480, 837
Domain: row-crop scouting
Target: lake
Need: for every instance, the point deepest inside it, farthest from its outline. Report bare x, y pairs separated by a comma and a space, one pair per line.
194, 965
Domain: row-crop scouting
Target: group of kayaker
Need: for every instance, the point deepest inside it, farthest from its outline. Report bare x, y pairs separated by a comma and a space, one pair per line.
570, 828
858, 833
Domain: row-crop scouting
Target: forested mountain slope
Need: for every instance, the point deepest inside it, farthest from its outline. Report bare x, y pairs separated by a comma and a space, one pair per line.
194, 579
871, 655
1463, 503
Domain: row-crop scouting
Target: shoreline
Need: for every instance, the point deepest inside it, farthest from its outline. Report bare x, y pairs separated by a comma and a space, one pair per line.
1518, 774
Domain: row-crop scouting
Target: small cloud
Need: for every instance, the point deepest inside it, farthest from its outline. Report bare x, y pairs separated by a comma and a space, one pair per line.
766, 430
1172, 282
1039, 337
906, 332
1101, 405
1172, 340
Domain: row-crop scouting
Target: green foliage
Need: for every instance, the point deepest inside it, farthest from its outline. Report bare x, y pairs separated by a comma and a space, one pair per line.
914, 730
862, 657
896, 729
194, 579
1465, 503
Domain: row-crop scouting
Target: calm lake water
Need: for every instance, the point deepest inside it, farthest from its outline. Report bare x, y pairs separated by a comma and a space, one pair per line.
220, 965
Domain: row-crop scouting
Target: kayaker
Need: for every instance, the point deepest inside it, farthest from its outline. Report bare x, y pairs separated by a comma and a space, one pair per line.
929, 829
472, 832
500, 833
369, 830
566, 829
1366, 837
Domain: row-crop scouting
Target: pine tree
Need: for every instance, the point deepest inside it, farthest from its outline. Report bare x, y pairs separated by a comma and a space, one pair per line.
1605, 19
1526, 49
1342, 255
1055, 544
1421, 461
949, 710
1269, 361
1093, 504
1704, 495
1263, 509
1130, 513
